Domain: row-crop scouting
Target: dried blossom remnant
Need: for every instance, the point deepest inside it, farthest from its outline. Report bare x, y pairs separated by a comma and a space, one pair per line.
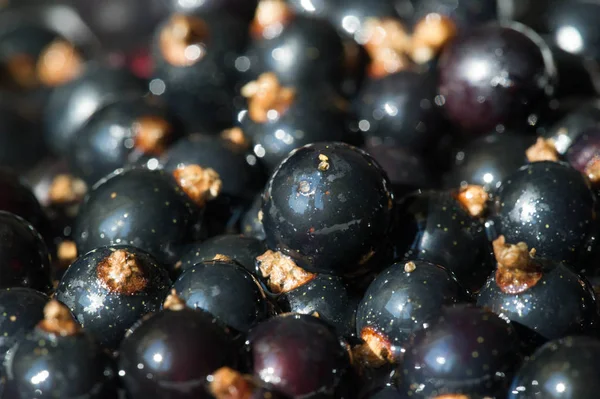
66, 189
200, 184
174, 302
387, 43
430, 34
58, 320
410, 267
375, 351
227, 383
270, 18
222, 258
21, 69
182, 40
266, 94
474, 199
236, 136
66, 253
452, 396
542, 150
122, 273
592, 169
516, 270
59, 63
283, 273
152, 134
323, 162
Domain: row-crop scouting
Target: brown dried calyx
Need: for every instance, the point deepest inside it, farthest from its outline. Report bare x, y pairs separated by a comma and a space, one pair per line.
453, 396
270, 18
59, 63
266, 94
200, 184
283, 273
592, 169
227, 383
374, 352
542, 150
182, 40
122, 273
174, 302
152, 134
236, 136
66, 190
430, 34
516, 270
20, 71
387, 43
58, 320
66, 253
474, 199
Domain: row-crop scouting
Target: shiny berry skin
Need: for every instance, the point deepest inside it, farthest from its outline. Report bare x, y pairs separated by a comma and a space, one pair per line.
564, 368
110, 288
138, 207
574, 29
400, 109
24, 258
251, 223
550, 207
21, 309
494, 77
584, 154
584, 117
313, 53
66, 363
169, 354
299, 355
227, 291
231, 247
326, 297
199, 89
468, 351
487, 160
329, 207
404, 298
349, 16
559, 304
145, 131
71, 105
313, 116
433, 226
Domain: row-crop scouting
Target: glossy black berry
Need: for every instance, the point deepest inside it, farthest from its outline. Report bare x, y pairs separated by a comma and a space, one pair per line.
584, 117
194, 67
24, 258
544, 296
466, 13
110, 288
550, 207
329, 207
300, 50
561, 368
435, 227
326, 297
71, 105
21, 144
251, 223
294, 118
172, 352
467, 350
404, 298
230, 247
227, 291
132, 131
59, 360
349, 16
21, 309
401, 109
487, 160
28, 57
299, 355
495, 77
138, 207
584, 154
